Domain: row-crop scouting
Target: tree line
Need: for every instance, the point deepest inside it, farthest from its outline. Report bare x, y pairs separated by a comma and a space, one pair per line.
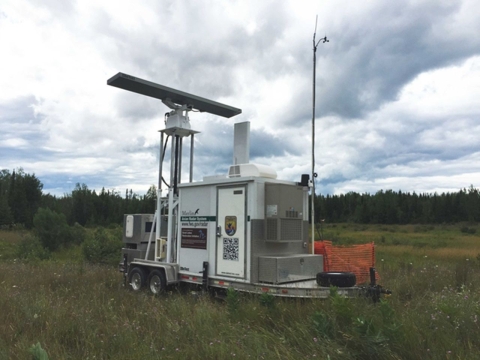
21, 196
390, 207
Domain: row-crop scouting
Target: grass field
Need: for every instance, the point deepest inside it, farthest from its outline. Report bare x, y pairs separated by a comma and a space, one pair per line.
81, 311
441, 242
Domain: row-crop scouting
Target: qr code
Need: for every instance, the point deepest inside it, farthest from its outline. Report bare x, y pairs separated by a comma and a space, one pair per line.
230, 249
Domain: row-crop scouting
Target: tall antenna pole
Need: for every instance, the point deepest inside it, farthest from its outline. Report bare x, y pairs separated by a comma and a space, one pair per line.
315, 45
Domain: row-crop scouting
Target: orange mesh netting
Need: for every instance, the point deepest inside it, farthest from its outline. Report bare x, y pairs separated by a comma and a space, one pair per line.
357, 259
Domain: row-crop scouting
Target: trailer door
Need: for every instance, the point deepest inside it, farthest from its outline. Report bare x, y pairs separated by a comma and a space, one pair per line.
231, 231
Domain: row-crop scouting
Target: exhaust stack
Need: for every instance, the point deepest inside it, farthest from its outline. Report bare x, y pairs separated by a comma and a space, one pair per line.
241, 143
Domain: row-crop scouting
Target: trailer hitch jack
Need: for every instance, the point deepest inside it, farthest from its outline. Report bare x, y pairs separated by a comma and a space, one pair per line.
375, 291
125, 269
205, 276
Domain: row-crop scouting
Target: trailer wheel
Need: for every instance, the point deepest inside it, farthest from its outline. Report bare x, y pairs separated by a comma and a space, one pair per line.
157, 282
338, 279
137, 278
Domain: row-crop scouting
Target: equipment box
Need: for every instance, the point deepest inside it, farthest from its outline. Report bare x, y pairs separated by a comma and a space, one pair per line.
288, 268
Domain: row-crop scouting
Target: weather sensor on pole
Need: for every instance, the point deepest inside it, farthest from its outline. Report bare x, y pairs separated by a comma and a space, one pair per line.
177, 126
315, 45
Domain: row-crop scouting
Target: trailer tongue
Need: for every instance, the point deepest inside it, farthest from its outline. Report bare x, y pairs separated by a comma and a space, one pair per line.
245, 230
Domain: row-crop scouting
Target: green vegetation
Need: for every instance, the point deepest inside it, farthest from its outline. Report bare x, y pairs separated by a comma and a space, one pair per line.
390, 207
21, 196
445, 243
72, 309
103, 247
62, 297
52, 230
38, 352
31, 249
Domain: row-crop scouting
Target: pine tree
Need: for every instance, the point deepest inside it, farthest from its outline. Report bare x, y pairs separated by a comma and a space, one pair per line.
6, 218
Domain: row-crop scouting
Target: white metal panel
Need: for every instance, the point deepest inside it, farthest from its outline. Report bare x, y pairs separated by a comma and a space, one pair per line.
231, 225
254, 170
129, 226
196, 228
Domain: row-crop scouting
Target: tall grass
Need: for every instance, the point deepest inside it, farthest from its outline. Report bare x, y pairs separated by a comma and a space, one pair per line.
442, 242
81, 311
9, 241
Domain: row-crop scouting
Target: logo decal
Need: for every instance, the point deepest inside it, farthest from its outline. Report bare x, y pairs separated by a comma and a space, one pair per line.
190, 212
230, 225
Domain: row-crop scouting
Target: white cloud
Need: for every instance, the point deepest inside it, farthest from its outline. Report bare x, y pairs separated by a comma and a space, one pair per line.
397, 89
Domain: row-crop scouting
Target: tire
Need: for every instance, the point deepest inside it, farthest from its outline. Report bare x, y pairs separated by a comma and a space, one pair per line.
157, 282
137, 278
338, 279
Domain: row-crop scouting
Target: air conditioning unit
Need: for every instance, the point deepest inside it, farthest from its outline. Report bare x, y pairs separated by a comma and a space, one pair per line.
254, 170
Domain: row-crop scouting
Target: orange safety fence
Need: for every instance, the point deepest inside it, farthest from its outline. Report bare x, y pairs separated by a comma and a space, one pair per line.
357, 259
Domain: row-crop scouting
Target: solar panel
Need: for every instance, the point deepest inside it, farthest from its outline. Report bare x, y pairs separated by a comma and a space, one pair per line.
148, 88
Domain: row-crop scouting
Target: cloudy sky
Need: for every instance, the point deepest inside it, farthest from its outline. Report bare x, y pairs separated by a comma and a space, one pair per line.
398, 89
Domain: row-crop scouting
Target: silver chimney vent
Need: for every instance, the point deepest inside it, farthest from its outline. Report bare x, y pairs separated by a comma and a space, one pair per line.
241, 143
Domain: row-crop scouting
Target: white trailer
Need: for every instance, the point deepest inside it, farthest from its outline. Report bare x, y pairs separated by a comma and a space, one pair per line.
245, 230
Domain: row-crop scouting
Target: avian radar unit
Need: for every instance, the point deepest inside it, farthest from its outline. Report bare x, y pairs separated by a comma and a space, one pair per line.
177, 126
245, 230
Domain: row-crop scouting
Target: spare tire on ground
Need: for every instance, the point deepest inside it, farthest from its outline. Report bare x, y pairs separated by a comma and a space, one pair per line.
338, 279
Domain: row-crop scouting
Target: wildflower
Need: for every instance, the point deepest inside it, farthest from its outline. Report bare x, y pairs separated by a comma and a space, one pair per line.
315, 339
